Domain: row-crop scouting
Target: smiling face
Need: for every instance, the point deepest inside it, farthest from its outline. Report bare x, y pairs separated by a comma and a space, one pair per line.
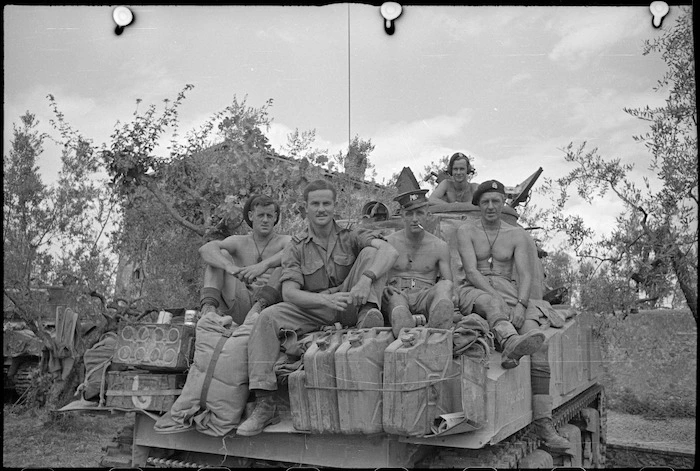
491, 205
413, 219
320, 208
460, 167
263, 219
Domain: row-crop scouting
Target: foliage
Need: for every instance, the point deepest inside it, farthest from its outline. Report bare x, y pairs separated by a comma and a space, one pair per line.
654, 244
172, 204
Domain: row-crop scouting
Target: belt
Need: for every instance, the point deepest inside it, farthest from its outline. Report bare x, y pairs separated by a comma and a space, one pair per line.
409, 283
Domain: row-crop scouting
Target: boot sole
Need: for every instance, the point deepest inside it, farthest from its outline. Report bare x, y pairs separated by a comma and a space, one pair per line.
527, 346
401, 318
249, 433
372, 318
441, 315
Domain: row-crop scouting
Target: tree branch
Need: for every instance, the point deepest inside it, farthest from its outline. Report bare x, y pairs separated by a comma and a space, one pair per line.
173, 212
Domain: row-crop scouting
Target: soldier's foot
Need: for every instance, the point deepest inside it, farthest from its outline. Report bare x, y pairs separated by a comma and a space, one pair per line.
369, 317
401, 318
264, 414
517, 346
546, 432
440, 316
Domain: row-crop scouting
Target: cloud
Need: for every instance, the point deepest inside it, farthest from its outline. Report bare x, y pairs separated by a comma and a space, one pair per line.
593, 32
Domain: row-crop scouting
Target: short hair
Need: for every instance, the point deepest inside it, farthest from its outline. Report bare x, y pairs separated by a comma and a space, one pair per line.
264, 200
457, 156
319, 185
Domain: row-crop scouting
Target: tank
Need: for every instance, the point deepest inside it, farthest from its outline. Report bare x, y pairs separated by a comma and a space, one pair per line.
437, 410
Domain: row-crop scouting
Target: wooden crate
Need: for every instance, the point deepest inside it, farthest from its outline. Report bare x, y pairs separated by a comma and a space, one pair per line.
141, 389
157, 347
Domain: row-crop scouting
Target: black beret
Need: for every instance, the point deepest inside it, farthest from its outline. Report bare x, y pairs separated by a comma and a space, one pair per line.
412, 199
485, 187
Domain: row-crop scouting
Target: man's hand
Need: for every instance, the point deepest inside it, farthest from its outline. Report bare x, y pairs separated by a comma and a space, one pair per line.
518, 316
232, 269
337, 301
250, 273
360, 292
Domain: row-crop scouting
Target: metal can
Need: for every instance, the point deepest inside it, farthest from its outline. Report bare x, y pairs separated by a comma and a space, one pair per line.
190, 317
164, 317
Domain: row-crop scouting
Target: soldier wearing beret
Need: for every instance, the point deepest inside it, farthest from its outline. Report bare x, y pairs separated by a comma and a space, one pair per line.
489, 250
330, 274
413, 289
240, 269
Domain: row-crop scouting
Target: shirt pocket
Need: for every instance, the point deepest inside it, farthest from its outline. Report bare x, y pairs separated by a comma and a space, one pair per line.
343, 264
315, 277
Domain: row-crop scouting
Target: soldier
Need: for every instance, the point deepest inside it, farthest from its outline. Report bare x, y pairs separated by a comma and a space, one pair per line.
489, 250
243, 269
328, 273
457, 188
412, 286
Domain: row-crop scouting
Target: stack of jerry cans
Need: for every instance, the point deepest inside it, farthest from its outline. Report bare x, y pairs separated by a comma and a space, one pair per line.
319, 367
421, 381
359, 364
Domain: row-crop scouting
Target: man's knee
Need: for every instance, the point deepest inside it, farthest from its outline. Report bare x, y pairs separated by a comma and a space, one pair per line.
443, 289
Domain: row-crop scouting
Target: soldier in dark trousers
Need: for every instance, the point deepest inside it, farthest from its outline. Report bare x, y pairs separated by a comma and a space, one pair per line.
329, 275
489, 250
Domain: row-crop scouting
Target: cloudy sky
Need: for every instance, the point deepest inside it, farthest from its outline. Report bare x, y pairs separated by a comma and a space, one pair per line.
509, 85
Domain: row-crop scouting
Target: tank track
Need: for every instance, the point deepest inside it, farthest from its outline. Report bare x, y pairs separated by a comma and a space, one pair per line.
22, 380
118, 451
508, 453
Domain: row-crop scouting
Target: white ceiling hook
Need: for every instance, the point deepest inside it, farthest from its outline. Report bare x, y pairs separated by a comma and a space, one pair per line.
390, 11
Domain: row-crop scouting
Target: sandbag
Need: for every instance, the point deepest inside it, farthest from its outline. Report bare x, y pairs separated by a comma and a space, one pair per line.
215, 393
97, 360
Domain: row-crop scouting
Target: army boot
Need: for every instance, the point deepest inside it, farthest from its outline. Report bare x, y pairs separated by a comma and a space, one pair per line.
544, 427
369, 316
440, 315
264, 414
401, 318
514, 345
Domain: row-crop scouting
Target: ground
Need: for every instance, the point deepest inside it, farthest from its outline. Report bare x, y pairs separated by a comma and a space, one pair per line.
76, 440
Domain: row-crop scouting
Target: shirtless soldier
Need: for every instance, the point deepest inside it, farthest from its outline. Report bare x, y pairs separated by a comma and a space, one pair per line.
457, 191
489, 250
412, 286
240, 269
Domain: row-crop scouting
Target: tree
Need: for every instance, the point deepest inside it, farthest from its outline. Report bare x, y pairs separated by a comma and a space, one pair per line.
173, 203
654, 244
53, 235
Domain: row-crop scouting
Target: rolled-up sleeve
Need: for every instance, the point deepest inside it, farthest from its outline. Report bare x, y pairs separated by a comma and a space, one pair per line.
291, 265
364, 237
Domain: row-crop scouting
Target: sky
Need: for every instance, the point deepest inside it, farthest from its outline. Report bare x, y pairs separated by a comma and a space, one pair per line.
508, 85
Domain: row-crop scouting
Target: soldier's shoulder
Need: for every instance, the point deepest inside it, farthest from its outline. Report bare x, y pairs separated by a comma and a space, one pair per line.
300, 237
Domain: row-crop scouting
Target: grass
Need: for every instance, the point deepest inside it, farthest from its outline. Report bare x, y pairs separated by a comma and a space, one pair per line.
38, 438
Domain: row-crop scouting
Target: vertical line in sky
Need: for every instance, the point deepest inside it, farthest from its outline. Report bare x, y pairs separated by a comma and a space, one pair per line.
349, 80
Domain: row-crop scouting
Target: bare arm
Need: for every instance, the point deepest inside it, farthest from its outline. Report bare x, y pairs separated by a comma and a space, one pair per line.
383, 262
438, 194
445, 263
248, 274
522, 264
219, 254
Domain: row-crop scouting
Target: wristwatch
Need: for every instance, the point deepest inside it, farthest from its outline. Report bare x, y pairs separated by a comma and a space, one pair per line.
370, 274
520, 301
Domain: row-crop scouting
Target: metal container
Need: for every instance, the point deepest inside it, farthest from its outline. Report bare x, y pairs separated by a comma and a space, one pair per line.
190, 317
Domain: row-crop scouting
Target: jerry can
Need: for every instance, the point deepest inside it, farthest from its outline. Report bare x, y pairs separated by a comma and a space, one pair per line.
359, 366
319, 365
421, 381
299, 401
